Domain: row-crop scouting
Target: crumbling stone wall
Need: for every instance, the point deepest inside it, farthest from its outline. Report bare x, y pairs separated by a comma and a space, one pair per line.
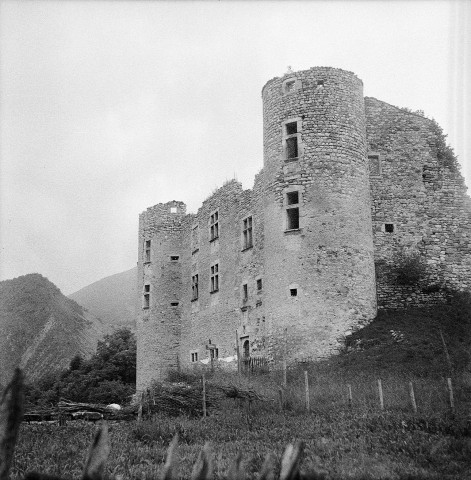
423, 196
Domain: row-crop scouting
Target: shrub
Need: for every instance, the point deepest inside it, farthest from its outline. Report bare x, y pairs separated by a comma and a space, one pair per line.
409, 267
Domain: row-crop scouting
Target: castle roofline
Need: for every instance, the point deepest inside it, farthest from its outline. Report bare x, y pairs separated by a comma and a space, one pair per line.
312, 68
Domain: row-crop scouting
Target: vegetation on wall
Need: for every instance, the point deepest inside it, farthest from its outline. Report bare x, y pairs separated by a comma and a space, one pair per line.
445, 154
409, 267
108, 377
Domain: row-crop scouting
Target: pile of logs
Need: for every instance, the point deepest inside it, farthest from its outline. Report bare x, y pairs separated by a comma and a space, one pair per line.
170, 398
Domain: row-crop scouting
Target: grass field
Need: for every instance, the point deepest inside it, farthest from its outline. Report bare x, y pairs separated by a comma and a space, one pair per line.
361, 442
341, 442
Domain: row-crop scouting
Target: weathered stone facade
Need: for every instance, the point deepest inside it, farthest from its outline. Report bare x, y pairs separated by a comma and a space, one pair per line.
348, 184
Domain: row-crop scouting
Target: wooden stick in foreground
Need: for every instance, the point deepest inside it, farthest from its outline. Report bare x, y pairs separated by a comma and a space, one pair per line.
11, 414
380, 391
450, 392
412, 397
204, 396
306, 389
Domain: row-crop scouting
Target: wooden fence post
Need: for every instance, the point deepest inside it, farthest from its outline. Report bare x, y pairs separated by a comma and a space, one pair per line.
450, 392
280, 394
306, 388
350, 398
204, 396
285, 376
380, 391
412, 397
445, 349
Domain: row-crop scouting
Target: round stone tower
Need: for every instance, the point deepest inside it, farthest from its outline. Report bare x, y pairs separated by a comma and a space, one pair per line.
319, 269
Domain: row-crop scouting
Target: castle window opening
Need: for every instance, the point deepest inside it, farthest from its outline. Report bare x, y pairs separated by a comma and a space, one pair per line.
293, 292
259, 284
194, 357
291, 128
174, 304
194, 287
214, 278
214, 353
389, 227
245, 292
246, 349
374, 165
292, 216
147, 252
320, 84
290, 86
292, 148
292, 198
214, 226
174, 258
292, 140
146, 296
195, 239
247, 233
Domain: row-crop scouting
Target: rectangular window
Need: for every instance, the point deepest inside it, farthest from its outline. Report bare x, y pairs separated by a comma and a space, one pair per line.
174, 258
292, 212
247, 231
291, 140
292, 218
293, 292
245, 291
194, 287
374, 165
195, 239
194, 357
146, 296
214, 278
292, 198
259, 284
214, 353
292, 148
291, 128
214, 226
147, 251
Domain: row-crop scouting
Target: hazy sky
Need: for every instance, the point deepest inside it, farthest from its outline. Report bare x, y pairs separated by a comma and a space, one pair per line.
110, 107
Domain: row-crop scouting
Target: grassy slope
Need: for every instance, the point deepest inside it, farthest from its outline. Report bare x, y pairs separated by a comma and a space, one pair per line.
409, 341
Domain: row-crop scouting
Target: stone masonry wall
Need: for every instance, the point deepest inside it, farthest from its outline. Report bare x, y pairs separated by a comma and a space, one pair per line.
217, 317
158, 326
424, 198
329, 258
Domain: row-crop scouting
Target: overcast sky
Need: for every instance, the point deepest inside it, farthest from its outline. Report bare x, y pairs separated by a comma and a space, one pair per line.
110, 107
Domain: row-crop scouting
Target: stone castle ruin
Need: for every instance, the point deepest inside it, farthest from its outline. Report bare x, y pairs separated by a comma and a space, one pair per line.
359, 206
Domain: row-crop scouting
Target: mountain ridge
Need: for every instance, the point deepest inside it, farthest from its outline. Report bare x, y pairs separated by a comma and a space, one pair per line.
42, 330
112, 299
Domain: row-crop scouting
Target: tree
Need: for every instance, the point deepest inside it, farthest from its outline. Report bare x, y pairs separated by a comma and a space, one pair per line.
108, 377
